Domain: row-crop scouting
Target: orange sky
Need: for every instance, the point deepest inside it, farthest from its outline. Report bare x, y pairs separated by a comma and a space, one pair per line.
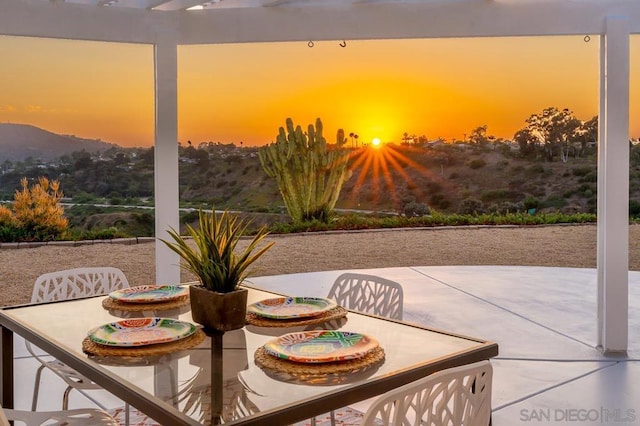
244, 92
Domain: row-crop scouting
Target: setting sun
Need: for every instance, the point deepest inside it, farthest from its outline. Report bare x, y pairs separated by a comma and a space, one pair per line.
375, 142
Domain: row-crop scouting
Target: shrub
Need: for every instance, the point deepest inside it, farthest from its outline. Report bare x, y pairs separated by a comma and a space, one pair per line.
498, 195
11, 234
506, 207
554, 201
582, 171
634, 208
589, 177
471, 206
440, 201
477, 163
84, 198
6, 217
531, 203
415, 209
38, 211
535, 169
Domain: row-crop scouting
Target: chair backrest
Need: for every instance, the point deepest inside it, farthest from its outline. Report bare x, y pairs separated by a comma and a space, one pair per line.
456, 396
369, 294
76, 417
79, 282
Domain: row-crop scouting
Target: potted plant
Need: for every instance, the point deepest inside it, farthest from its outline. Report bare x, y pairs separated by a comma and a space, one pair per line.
218, 303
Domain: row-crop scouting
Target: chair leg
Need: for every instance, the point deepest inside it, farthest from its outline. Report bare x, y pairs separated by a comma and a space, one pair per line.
65, 398
36, 388
313, 421
332, 416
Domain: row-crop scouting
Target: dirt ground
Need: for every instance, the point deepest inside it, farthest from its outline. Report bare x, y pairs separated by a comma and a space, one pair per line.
565, 245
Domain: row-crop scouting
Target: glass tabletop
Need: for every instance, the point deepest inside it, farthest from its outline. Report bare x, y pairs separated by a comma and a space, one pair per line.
219, 379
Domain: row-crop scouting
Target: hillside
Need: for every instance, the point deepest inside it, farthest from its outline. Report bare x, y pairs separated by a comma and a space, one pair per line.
20, 141
447, 178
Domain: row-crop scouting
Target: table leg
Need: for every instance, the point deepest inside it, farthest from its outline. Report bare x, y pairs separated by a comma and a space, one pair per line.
216, 377
6, 369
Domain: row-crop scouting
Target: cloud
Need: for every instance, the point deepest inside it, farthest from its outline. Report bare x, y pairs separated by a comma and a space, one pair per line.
7, 108
35, 108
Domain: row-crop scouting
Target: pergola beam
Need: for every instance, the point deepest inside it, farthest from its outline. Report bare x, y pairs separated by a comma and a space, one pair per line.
299, 21
401, 20
36, 18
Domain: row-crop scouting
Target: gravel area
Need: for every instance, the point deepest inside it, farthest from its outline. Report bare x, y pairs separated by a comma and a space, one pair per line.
562, 245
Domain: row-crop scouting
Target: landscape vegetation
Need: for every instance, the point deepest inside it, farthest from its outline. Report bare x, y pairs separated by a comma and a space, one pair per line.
546, 174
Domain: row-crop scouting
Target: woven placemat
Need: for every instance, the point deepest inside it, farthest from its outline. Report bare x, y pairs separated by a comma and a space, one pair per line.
109, 303
373, 358
258, 321
92, 348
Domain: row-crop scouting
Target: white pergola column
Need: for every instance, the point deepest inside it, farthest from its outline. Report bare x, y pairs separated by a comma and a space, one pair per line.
166, 156
613, 188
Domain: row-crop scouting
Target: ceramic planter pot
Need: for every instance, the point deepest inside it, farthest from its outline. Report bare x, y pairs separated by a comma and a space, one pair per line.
218, 311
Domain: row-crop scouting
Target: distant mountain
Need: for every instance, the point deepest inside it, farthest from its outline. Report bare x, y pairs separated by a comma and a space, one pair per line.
19, 141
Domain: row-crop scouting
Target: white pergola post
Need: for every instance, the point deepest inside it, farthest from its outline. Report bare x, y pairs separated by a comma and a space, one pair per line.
166, 155
613, 188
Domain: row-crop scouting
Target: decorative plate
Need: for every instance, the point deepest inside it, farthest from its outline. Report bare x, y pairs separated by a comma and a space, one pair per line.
291, 307
141, 332
321, 346
149, 293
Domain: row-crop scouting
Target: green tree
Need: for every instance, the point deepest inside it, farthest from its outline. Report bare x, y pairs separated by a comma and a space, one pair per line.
309, 172
554, 129
478, 136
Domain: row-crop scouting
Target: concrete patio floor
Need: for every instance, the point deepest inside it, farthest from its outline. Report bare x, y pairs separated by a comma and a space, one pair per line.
544, 320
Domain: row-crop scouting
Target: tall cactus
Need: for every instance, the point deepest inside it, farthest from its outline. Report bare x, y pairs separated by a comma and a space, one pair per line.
309, 172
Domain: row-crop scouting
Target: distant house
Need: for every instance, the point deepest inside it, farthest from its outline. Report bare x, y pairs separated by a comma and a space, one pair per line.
435, 143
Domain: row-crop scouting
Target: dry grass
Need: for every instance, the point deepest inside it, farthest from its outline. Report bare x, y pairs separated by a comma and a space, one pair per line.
569, 246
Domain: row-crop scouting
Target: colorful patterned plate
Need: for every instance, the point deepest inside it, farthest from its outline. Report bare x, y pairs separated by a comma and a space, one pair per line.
149, 293
291, 307
141, 332
321, 346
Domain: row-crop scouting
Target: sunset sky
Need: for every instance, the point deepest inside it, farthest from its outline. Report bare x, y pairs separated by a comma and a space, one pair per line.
244, 92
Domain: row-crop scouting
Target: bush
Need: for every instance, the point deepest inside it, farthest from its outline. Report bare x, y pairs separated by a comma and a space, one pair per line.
499, 195
84, 198
38, 211
440, 201
471, 206
554, 201
634, 208
6, 217
477, 163
582, 171
531, 203
506, 207
415, 209
589, 177
11, 234
534, 170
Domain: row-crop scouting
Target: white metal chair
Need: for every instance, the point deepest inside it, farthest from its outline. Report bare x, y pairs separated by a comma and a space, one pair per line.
64, 285
369, 294
77, 417
459, 396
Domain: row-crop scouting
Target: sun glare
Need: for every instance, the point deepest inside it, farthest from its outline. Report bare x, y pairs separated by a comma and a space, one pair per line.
376, 142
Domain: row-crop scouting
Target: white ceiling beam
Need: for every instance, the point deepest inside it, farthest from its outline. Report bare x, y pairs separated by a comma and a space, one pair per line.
399, 20
174, 5
305, 21
37, 18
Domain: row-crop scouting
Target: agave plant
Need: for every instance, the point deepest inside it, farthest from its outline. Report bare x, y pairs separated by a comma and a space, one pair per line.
213, 259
